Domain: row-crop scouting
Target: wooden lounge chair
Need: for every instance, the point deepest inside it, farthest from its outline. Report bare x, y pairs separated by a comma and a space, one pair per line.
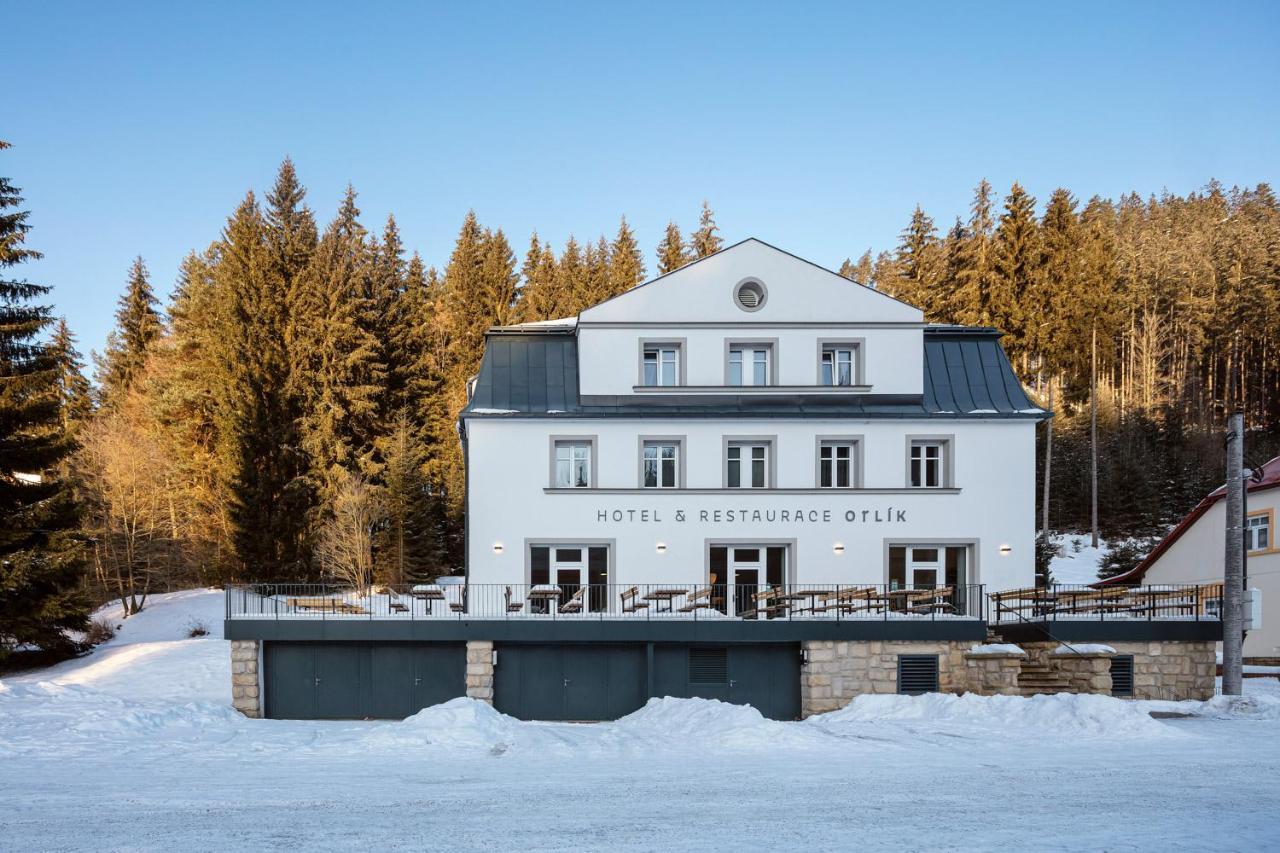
768, 602
697, 600
631, 600
513, 606
574, 604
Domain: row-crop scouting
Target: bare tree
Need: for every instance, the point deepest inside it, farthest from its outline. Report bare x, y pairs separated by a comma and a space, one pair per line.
127, 482
344, 546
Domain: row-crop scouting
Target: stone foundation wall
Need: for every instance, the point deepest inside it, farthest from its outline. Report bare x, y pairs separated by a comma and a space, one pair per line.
246, 684
993, 674
1171, 670
480, 670
1086, 673
839, 670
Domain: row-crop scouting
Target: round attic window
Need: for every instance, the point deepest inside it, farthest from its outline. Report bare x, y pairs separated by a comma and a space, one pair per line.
750, 294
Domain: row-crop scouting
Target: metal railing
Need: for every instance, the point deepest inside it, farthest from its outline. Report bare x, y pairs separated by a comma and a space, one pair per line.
1063, 602
674, 601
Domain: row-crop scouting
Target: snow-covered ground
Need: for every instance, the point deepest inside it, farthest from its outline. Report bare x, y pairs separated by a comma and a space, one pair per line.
134, 747
1077, 560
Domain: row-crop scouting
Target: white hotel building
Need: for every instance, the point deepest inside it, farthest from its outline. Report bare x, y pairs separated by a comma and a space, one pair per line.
750, 480
749, 419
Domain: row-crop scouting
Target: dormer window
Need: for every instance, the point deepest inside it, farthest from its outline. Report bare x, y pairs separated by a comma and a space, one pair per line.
660, 365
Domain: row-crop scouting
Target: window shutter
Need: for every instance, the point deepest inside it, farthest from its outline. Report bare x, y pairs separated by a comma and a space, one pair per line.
709, 665
917, 674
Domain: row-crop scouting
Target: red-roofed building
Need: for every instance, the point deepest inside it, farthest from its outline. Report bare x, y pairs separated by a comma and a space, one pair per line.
1193, 552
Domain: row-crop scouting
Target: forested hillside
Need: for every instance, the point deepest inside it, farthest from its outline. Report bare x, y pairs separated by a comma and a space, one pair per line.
1166, 305
289, 410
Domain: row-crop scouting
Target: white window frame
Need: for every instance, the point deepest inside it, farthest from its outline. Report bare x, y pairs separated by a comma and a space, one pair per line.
740, 451
834, 443
1259, 523
659, 349
657, 443
918, 457
761, 364
578, 448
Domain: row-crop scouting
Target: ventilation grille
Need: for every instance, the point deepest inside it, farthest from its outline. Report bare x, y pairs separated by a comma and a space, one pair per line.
1122, 675
917, 674
709, 666
750, 295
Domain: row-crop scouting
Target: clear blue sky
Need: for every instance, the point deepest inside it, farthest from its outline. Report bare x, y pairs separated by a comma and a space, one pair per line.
137, 128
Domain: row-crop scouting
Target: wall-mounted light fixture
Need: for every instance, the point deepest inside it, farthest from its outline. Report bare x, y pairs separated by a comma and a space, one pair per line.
804, 656
1005, 550
497, 547
494, 659
661, 547
837, 548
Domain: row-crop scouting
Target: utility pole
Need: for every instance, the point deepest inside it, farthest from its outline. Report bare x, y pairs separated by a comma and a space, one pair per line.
1093, 435
1233, 579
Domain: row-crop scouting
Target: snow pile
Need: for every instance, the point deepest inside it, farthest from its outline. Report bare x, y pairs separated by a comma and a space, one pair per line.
1084, 649
460, 723
1059, 715
690, 724
997, 649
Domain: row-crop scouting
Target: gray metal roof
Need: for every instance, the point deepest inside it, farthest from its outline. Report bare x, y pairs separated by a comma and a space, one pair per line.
966, 375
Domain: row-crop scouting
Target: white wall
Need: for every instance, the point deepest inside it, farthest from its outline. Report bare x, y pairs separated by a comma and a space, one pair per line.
1198, 556
509, 470
609, 358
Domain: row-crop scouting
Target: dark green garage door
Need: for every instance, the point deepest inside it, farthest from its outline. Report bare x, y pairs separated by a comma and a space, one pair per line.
569, 681
596, 681
343, 681
765, 676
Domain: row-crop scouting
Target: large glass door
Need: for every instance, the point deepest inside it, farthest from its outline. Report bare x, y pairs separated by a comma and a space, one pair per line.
572, 569
739, 571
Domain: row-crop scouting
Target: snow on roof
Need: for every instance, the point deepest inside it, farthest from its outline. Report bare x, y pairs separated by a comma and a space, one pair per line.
534, 325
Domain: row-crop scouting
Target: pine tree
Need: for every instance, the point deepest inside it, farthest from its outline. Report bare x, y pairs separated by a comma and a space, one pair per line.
1016, 268
571, 274
74, 392
672, 251
138, 325
1057, 301
626, 261
540, 297
338, 369
975, 286
407, 548
917, 265
254, 419
40, 561
706, 241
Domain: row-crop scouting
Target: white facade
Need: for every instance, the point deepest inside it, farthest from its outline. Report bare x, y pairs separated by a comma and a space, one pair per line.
1196, 554
981, 503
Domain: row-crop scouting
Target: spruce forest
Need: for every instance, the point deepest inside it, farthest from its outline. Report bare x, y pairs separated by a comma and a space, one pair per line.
289, 411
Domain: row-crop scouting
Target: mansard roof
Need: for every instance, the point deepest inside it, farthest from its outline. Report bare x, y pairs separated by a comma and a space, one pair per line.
533, 372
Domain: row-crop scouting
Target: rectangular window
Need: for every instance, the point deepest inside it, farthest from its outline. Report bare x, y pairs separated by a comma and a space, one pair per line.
661, 365
838, 366
573, 465
661, 465
747, 465
1258, 532
836, 465
927, 459
749, 364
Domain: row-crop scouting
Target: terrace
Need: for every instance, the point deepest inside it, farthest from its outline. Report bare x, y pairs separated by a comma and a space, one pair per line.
607, 602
